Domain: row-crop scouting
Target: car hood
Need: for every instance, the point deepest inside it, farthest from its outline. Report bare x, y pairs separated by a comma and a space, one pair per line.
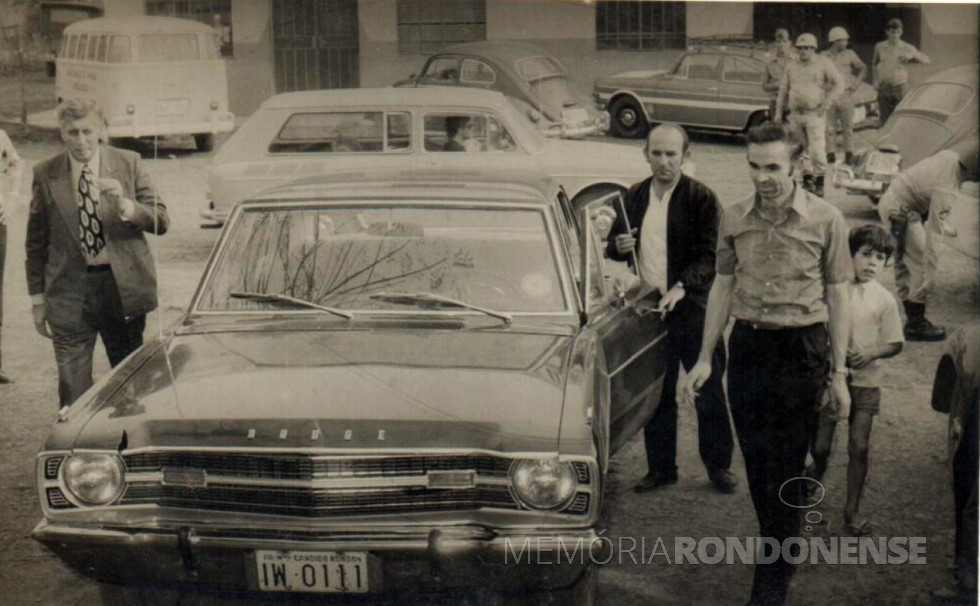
496, 390
916, 136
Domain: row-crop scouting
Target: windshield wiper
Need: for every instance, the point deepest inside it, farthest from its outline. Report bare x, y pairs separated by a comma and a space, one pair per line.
259, 296
408, 298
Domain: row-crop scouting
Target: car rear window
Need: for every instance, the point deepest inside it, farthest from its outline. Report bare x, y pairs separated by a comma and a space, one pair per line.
168, 47
738, 69
343, 132
943, 97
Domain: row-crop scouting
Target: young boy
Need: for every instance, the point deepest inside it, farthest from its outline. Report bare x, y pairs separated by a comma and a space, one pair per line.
876, 333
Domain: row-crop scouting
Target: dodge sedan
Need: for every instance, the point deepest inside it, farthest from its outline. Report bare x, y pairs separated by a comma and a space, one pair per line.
384, 381
711, 88
316, 132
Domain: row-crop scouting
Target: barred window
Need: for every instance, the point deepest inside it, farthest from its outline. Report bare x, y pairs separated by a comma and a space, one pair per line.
640, 25
426, 26
216, 13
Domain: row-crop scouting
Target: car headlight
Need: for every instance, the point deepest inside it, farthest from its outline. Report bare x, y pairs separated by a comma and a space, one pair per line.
544, 483
94, 479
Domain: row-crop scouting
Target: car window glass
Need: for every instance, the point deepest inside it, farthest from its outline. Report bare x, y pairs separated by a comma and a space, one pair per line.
500, 258
103, 48
532, 68
331, 132
739, 69
72, 45
120, 50
619, 276
168, 47
471, 132
63, 52
82, 47
476, 72
598, 292
399, 130
210, 47
943, 97
442, 69
700, 67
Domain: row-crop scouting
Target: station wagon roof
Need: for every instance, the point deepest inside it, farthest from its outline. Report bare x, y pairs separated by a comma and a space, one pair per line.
137, 24
433, 183
434, 96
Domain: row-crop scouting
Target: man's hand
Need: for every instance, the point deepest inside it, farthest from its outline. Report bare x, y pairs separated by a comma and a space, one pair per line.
40, 317
698, 376
669, 300
859, 358
841, 396
778, 118
625, 243
111, 191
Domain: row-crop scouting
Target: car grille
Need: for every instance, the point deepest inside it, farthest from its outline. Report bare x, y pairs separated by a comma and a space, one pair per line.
312, 486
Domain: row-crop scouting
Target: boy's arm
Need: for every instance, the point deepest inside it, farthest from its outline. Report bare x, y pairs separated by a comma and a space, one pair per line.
890, 338
860, 358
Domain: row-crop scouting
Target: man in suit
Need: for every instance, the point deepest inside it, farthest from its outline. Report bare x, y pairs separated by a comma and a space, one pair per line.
674, 228
89, 268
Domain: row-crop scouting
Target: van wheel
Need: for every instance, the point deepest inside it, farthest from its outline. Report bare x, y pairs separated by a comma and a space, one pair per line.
204, 142
627, 119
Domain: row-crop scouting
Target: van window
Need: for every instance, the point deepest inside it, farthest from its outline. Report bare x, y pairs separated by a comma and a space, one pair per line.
82, 47
210, 48
93, 48
120, 50
343, 132
168, 47
63, 53
103, 47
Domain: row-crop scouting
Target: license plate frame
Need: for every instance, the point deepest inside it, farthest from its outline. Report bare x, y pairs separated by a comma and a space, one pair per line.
173, 107
320, 572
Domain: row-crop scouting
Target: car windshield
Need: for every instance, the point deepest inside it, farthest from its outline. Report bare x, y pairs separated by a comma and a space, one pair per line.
549, 84
354, 257
943, 97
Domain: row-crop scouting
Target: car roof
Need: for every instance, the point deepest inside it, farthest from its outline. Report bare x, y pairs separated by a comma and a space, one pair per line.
431, 96
481, 184
137, 24
961, 74
502, 51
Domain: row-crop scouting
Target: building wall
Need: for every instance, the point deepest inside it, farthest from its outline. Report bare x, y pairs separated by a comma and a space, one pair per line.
949, 36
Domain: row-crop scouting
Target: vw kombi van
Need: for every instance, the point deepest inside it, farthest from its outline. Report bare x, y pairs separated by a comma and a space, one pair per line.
151, 75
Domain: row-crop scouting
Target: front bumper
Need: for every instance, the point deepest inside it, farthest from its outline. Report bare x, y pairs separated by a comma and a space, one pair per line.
135, 126
399, 558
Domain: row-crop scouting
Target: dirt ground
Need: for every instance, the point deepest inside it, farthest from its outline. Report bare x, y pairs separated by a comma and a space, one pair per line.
908, 493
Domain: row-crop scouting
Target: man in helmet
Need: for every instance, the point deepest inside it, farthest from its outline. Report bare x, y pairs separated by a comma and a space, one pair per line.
840, 113
808, 87
917, 207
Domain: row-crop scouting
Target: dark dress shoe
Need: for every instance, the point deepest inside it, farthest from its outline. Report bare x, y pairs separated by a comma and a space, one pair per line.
724, 481
653, 481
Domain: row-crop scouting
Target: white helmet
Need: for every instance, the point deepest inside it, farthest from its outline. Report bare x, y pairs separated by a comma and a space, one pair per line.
837, 33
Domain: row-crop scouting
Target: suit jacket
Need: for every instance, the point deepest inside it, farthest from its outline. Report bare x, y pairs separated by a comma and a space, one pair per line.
55, 259
692, 233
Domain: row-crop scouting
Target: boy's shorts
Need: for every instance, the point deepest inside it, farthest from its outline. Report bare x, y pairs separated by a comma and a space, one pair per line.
865, 399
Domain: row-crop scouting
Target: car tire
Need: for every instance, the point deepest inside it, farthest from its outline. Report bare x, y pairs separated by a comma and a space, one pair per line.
874, 199
204, 142
626, 119
142, 595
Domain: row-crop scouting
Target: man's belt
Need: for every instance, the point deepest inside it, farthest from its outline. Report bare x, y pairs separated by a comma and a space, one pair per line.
99, 269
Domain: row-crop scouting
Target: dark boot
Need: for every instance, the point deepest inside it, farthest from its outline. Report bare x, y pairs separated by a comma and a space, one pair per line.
917, 327
831, 158
818, 190
849, 158
808, 183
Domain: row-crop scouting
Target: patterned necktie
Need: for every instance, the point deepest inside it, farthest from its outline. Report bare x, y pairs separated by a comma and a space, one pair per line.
89, 224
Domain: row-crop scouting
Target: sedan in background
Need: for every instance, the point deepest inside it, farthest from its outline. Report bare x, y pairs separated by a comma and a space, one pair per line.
294, 135
535, 81
937, 114
385, 381
712, 87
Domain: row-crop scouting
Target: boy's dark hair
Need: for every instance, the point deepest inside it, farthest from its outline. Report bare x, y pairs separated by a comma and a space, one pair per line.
771, 132
874, 236
454, 123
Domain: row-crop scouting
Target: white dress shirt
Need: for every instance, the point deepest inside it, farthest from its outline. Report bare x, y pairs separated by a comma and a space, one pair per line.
652, 252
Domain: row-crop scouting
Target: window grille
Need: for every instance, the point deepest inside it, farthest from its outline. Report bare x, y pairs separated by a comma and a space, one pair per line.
426, 26
640, 25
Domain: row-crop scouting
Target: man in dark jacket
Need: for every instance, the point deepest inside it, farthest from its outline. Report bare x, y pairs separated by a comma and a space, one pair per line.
673, 222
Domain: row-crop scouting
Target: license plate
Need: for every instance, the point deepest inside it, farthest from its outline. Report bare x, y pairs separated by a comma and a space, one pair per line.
312, 571
172, 107
883, 162
859, 114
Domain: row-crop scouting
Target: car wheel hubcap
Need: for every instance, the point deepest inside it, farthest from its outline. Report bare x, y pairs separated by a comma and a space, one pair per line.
627, 117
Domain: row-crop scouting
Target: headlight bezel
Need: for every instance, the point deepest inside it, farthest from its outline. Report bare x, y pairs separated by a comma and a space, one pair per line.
525, 472
76, 470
